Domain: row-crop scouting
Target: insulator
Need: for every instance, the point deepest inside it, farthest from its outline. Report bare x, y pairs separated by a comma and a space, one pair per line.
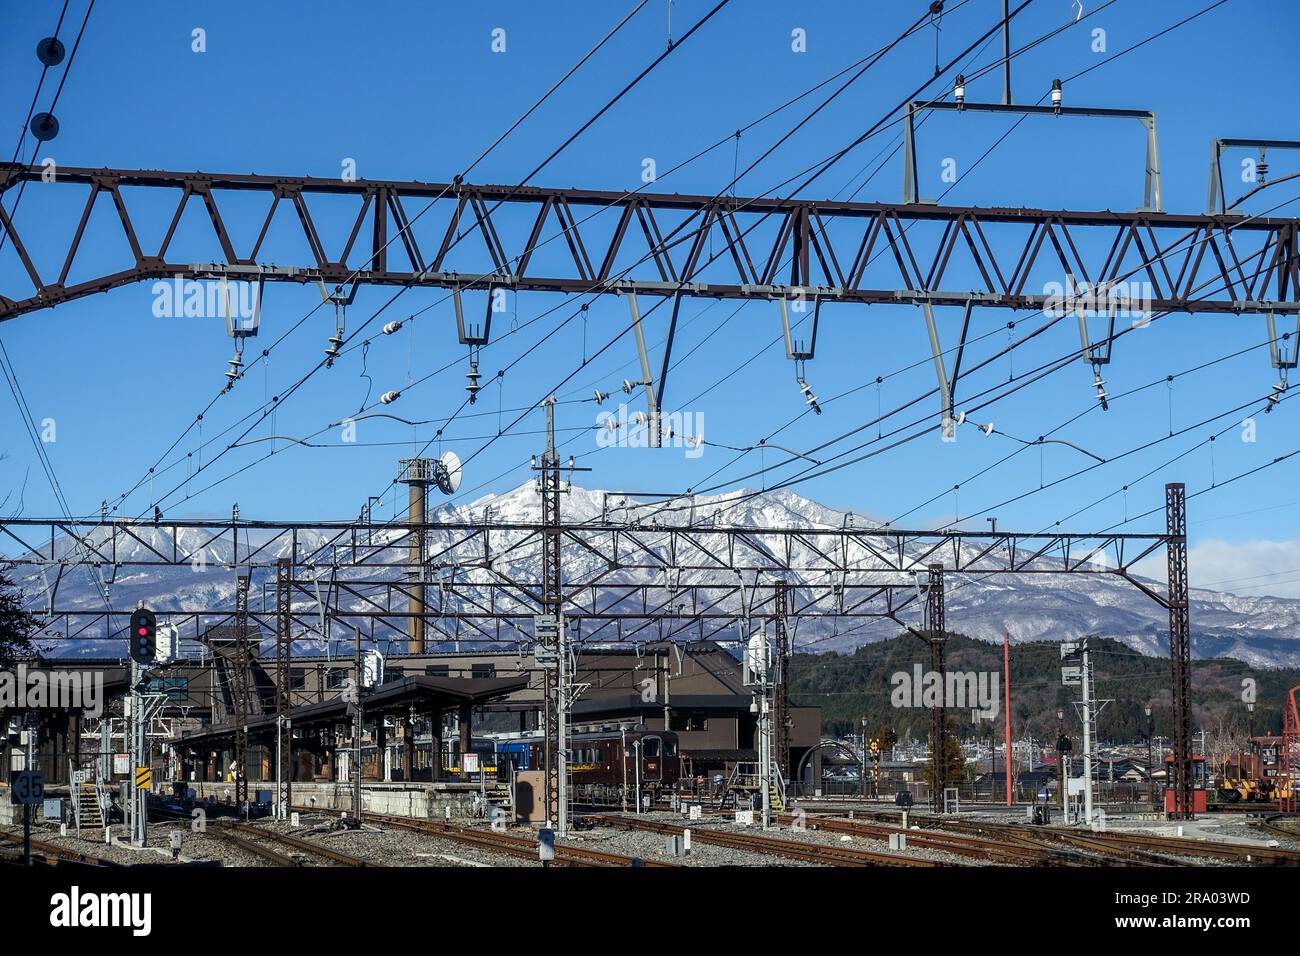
611, 424
628, 386
959, 91
601, 396
473, 387
234, 372
1261, 171
332, 352
389, 397
987, 429
1056, 94
392, 327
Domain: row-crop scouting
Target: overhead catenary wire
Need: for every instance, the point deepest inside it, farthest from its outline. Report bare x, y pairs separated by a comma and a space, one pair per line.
595, 289
816, 171
413, 219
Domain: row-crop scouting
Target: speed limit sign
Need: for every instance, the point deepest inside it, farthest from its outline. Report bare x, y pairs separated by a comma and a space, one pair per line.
27, 788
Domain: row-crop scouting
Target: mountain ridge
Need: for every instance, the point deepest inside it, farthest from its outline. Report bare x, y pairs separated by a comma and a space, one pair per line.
1262, 631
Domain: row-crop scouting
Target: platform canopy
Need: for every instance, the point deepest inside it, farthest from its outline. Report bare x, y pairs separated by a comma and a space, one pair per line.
421, 693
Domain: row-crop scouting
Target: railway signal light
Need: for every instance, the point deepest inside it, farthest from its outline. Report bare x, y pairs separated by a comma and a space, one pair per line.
144, 636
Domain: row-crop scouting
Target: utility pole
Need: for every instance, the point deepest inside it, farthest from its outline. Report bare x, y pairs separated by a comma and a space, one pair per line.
783, 718
357, 727
1006, 712
553, 761
1180, 648
552, 653
283, 687
938, 713
139, 828
1077, 671
241, 691
756, 674
142, 645
1151, 768
863, 788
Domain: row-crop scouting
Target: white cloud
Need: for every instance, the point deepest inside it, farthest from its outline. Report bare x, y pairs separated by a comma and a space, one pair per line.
1247, 567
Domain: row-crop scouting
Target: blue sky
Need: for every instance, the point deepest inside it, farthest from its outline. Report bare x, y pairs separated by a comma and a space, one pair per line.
414, 91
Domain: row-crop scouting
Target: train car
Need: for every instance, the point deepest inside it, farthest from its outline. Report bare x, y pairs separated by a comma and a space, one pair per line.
605, 766
1255, 776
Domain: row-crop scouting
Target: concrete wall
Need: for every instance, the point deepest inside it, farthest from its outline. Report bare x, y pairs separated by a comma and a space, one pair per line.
422, 801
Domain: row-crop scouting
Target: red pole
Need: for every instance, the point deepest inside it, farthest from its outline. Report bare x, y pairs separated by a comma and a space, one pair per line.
1006, 709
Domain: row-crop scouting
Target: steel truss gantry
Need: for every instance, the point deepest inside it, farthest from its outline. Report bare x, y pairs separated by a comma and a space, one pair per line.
673, 576
661, 581
657, 243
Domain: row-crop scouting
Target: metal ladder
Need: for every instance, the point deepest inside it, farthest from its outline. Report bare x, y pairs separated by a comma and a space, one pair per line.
776, 790
88, 813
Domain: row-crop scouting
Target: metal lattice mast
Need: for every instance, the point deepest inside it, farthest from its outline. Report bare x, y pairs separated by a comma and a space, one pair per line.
283, 684
240, 690
552, 603
1180, 648
938, 713
783, 716
1288, 764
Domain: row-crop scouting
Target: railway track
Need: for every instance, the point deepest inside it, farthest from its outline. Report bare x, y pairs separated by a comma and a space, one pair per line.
292, 852
975, 847
1142, 849
823, 854
51, 855
284, 850
521, 847
1273, 824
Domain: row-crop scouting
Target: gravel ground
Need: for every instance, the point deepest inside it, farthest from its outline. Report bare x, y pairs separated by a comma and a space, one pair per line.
157, 852
653, 846
398, 847
831, 838
393, 847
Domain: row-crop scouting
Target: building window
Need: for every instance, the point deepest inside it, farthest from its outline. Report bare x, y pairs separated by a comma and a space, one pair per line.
437, 670
297, 678
687, 720
336, 678
177, 689
480, 671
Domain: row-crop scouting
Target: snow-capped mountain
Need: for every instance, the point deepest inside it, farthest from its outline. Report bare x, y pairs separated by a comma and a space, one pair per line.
1262, 631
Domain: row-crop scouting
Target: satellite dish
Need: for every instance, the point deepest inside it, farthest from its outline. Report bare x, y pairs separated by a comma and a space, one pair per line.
446, 472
